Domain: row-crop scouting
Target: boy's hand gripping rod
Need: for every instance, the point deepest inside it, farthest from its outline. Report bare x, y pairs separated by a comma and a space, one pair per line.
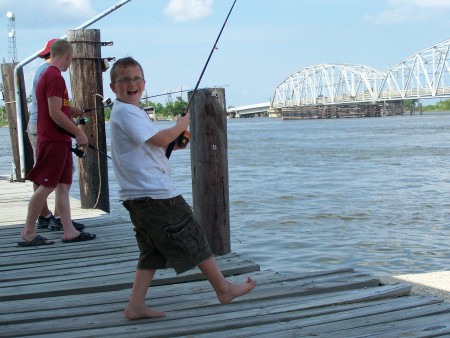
172, 144
80, 153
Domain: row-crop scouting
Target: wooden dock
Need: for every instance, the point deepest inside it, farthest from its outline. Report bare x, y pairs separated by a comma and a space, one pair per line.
81, 289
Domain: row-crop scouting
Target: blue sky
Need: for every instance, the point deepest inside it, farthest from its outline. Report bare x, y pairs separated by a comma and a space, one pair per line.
263, 43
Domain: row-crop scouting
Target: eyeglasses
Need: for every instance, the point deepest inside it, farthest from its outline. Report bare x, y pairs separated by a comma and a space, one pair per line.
127, 80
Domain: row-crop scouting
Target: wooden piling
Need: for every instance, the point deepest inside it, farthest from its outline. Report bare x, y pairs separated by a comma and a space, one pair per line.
209, 165
87, 92
10, 104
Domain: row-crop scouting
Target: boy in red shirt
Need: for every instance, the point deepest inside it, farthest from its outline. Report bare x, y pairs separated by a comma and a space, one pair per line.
53, 169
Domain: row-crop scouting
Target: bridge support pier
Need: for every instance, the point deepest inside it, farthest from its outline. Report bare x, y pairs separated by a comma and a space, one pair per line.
342, 110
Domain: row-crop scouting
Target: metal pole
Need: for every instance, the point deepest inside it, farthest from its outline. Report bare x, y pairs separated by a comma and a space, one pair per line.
31, 58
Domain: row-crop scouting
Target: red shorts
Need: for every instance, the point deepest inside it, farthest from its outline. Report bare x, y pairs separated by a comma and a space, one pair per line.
54, 164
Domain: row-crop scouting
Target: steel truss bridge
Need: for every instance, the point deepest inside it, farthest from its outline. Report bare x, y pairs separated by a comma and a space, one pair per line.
426, 74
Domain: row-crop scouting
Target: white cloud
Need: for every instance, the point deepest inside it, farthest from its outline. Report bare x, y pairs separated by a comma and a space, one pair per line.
432, 3
74, 8
400, 11
31, 13
186, 10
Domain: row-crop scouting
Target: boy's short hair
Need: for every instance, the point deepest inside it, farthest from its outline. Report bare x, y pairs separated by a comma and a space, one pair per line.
60, 47
122, 63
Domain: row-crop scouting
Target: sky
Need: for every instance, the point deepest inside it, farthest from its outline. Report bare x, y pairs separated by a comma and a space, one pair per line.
263, 42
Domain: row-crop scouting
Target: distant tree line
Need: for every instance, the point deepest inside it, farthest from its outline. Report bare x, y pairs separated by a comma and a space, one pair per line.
168, 111
443, 105
439, 106
172, 109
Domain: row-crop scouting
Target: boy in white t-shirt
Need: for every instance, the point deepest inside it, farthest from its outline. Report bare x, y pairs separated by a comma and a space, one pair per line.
167, 233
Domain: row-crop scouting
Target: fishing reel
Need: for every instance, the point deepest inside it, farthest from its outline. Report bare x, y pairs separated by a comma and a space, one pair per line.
78, 151
82, 120
183, 139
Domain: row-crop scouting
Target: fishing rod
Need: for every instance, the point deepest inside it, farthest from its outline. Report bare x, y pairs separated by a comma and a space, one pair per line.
81, 154
78, 151
183, 139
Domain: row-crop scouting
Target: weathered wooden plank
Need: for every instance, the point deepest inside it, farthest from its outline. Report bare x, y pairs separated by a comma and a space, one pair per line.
169, 296
46, 254
103, 283
112, 228
426, 324
197, 314
288, 328
262, 277
105, 275
267, 286
163, 294
108, 266
357, 322
43, 269
98, 281
34, 271
212, 325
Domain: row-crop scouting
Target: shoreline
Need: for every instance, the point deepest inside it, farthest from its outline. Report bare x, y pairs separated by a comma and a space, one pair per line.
424, 284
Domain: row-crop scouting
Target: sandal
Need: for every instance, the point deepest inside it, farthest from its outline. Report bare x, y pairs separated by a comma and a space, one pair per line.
83, 236
36, 241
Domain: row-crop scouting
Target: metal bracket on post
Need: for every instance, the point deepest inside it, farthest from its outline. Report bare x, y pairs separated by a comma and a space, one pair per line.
105, 63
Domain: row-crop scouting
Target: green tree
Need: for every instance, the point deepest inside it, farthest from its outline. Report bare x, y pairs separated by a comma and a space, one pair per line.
107, 113
179, 106
439, 106
443, 105
159, 110
3, 116
408, 103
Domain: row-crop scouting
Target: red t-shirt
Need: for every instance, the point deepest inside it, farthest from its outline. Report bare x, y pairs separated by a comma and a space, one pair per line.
51, 84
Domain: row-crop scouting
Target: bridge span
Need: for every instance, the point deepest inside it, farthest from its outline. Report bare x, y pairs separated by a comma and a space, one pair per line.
251, 110
341, 90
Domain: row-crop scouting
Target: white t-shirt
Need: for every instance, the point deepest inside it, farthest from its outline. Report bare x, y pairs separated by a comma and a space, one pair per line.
33, 107
141, 169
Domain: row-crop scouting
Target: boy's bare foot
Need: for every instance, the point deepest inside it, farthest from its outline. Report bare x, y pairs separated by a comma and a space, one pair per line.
235, 290
145, 312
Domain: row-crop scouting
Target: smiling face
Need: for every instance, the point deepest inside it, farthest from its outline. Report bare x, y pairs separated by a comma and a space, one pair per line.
128, 84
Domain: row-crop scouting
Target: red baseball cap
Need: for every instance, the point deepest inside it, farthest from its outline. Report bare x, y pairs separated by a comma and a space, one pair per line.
46, 49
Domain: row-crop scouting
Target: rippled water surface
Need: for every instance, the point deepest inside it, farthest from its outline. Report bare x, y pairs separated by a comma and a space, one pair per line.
368, 193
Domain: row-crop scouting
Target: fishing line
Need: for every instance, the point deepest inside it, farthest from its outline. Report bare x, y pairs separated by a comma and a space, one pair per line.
172, 144
174, 92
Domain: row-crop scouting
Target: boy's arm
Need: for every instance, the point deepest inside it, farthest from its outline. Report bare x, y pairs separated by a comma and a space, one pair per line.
166, 136
54, 105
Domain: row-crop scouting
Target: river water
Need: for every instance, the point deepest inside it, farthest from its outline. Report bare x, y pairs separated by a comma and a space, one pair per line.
368, 193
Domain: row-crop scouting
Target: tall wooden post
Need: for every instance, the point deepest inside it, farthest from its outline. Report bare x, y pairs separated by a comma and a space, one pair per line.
87, 92
16, 131
209, 166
